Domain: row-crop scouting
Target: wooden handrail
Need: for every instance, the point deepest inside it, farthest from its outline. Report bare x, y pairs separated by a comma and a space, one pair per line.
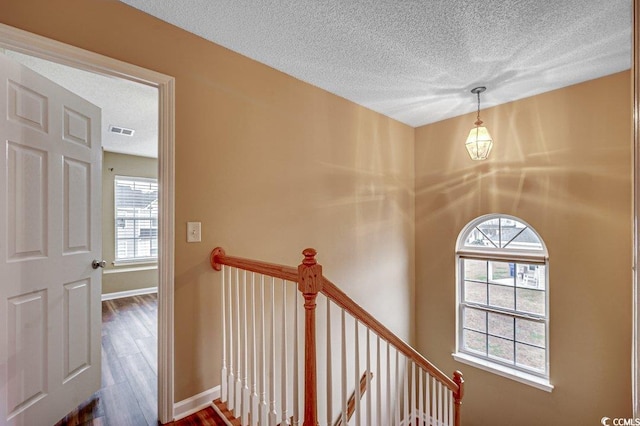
345, 302
219, 257
351, 404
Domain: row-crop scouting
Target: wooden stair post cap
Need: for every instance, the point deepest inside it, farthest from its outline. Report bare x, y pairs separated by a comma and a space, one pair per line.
309, 257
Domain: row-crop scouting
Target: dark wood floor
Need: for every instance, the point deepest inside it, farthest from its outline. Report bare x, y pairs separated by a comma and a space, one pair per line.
129, 366
128, 396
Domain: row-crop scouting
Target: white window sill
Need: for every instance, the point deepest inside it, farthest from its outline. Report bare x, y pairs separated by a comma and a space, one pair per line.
141, 262
132, 268
509, 373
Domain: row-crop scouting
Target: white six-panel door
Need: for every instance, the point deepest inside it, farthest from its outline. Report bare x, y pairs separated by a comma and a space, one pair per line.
50, 232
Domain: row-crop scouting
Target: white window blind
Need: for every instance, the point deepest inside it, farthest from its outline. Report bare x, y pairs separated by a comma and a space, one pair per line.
136, 219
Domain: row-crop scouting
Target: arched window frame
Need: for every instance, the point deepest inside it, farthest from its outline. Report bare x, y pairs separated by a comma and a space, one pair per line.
520, 255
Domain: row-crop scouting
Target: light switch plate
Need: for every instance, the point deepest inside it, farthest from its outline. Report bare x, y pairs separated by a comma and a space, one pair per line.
194, 232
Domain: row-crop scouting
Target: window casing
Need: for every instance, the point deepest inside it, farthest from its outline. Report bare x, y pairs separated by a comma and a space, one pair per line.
136, 219
502, 298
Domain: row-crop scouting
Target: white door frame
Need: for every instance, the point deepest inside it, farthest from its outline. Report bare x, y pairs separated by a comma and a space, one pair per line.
21, 41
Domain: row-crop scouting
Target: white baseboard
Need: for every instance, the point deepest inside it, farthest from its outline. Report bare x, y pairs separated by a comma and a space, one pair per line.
198, 402
129, 293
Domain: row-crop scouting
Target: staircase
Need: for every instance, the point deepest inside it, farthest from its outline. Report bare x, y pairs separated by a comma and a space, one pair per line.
297, 350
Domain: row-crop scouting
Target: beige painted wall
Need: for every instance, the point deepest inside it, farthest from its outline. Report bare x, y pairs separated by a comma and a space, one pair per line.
562, 162
114, 164
268, 164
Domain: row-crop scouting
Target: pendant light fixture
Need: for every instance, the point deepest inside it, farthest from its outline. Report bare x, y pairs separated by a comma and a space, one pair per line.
479, 142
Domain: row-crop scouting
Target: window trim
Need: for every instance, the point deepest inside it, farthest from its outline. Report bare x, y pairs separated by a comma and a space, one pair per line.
537, 257
133, 260
508, 372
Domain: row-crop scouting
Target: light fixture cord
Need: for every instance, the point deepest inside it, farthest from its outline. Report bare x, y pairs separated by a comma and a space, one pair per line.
478, 121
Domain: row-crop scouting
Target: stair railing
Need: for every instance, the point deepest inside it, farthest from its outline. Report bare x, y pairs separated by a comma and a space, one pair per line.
263, 364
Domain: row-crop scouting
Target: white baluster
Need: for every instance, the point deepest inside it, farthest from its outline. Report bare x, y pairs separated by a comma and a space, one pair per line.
223, 372
451, 419
296, 378
420, 394
427, 398
368, 381
245, 351
231, 380
254, 356
344, 370
445, 408
264, 409
356, 369
389, 389
434, 400
406, 390
238, 386
440, 410
273, 413
329, 370
284, 383
412, 410
378, 383
397, 405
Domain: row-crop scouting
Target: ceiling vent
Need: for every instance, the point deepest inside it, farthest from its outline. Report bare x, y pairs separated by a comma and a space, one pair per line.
121, 131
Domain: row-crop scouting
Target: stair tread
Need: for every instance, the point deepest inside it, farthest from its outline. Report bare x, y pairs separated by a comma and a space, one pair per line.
224, 410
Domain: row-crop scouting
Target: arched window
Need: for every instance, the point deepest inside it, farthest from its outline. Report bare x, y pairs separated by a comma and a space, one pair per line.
502, 297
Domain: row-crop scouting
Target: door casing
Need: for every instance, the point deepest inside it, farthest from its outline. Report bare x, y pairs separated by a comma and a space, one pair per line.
31, 44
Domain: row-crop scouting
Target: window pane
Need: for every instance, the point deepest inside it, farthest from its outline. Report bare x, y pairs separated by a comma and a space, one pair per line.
530, 357
501, 348
501, 296
501, 272
530, 332
475, 341
491, 230
501, 325
525, 240
509, 229
475, 270
475, 292
475, 319
477, 239
136, 220
530, 276
124, 249
531, 301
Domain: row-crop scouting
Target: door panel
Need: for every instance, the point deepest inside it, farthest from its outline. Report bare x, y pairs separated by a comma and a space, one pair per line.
27, 196
77, 333
50, 221
28, 335
77, 127
27, 107
77, 206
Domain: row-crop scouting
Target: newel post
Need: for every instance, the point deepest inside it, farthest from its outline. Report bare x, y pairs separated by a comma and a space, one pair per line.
309, 284
459, 380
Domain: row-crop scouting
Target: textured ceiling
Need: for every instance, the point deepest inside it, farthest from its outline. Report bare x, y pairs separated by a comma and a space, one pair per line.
123, 104
417, 60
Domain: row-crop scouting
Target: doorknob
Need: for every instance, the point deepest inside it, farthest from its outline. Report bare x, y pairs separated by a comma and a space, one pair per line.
98, 264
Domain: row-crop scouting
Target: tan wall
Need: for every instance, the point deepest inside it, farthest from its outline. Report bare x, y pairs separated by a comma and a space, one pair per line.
561, 162
268, 164
113, 165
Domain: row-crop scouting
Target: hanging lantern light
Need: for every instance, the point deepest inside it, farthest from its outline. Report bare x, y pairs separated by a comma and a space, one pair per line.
479, 142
